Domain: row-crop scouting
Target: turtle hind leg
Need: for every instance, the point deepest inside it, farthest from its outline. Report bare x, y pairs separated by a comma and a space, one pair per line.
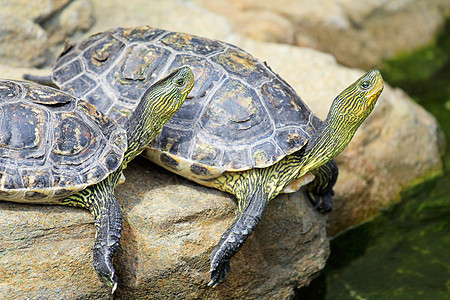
320, 191
99, 199
235, 236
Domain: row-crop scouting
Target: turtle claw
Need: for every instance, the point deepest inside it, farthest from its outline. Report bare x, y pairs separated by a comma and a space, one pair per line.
322, 203
114, 288
103, 265
219, 272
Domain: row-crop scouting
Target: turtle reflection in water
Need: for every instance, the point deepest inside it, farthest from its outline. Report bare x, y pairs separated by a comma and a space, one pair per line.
245, 131
57, 149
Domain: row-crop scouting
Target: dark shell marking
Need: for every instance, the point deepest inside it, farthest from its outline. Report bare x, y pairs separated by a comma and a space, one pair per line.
52, 144
242, 114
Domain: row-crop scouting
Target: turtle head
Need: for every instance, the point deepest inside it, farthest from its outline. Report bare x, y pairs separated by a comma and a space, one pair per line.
166, 96
348, 110
158, 104
351, 107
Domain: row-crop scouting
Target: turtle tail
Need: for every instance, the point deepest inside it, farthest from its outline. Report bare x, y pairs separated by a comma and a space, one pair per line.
44, 80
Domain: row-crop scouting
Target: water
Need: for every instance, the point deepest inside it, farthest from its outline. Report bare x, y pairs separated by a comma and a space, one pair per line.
405, 252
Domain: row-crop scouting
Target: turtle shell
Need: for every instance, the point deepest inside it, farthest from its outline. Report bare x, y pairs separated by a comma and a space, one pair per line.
242, 115
53, 144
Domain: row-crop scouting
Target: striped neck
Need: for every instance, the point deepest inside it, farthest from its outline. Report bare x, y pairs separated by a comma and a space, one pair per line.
347, 112
329, 141
158, 104
142, 127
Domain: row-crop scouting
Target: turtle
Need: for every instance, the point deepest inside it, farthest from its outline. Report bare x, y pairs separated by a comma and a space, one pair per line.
245, 131
58, 149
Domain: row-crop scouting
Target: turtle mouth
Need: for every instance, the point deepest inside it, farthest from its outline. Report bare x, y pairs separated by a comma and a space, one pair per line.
374, 93
187, 90
189, 86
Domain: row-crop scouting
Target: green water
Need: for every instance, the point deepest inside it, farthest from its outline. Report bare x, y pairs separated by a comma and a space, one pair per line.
405, 252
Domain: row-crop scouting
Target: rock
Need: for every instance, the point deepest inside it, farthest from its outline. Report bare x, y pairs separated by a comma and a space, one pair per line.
29, 29
8, 72
46, 253
34, 10
184, 16
170, 228
358, 33
23, 43
77, 16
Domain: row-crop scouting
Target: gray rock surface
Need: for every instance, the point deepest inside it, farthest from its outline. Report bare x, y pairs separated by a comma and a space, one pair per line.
172, 225
22, 41
358, 33
170, 228
29, 29
77, 16
34, 10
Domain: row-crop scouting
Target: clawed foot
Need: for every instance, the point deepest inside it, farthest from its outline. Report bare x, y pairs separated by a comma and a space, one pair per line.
234, 237
103, 266
218, 272
230, 242
323, 203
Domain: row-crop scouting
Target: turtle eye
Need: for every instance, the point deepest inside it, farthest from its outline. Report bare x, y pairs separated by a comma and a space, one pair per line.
180, 82
365, 84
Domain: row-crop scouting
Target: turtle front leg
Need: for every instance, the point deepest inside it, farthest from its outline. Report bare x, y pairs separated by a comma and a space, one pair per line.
320, 190
248, 216
253, 189
99, 199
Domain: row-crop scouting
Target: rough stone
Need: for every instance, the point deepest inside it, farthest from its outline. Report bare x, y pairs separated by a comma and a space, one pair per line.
184, 16
30, 29
45, 253
77, 16
170, 228
358, 33
34, 10
23, 43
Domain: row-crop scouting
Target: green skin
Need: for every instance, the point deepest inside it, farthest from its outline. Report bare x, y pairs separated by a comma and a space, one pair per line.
254, 188
156, 107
